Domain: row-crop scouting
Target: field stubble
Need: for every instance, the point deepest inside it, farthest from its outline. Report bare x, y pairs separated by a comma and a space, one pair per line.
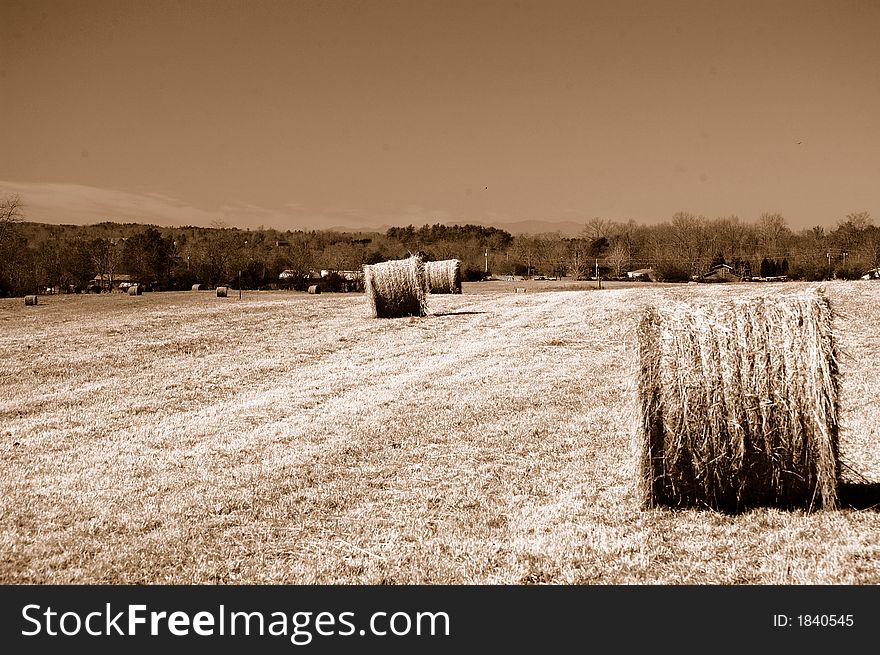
288, 438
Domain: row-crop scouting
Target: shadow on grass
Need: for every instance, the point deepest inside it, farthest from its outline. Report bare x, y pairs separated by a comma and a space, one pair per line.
455, 313
864, 495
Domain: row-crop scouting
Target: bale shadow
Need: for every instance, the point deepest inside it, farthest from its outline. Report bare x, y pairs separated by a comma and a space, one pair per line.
862, 496
456, 313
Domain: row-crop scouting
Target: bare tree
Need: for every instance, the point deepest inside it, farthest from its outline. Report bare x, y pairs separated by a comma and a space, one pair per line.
10, 212
341, 256
218, 255
774, 234
688, 240
618, 255
858, 220
810, 254
855, 242
527, 249
596, 228
106, 257
13, 251
444, 249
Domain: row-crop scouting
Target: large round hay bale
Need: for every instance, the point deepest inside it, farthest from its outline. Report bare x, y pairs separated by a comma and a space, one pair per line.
197, 287
222, 292
30, 300
443, 276
396, 288
135, 290
738, 404
314, 289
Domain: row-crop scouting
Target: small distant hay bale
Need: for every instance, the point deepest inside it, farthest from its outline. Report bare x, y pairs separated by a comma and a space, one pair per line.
197, 287
443, 276
396, 288
30, 300
135, 290
738, 404
222, 292
520, 289
314, 289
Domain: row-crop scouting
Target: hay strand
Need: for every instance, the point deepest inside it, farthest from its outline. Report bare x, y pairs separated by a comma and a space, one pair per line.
738, 404
222, 292
443, 276
396, 288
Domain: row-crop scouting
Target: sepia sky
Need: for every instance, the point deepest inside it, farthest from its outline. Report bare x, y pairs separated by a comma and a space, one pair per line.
302, 114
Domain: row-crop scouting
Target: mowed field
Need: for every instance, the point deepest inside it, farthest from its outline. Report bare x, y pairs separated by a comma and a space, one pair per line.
291, 438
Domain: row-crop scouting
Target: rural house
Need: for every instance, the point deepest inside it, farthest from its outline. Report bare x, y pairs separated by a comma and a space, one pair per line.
721, 273
646, 274
106, 283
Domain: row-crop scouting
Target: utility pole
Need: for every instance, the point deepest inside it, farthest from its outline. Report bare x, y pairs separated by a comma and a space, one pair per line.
239, 271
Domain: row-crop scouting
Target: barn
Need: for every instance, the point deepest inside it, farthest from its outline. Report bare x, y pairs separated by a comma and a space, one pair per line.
721, 273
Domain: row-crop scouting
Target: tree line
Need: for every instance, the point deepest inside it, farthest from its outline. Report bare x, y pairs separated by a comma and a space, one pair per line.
36, 257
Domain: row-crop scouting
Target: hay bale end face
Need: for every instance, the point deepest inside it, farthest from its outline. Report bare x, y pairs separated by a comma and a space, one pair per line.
222, 292
314, 289
443, 276
738, 404
135, 290
396, 288
30, 300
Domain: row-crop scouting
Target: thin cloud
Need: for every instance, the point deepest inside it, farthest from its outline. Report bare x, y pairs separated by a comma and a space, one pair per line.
81, 204
59, 203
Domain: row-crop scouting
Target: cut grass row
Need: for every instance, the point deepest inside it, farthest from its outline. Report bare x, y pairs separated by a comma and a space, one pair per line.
182, 438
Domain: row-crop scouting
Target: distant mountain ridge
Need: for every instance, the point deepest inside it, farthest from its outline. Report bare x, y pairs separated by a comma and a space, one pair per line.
566, 228
516, 228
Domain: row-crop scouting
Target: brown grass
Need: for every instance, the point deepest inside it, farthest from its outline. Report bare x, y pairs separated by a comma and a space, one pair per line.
443, 276
396, 288
293, 439
738, 403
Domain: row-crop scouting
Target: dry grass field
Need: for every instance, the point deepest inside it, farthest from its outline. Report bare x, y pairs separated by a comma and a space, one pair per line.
290, 438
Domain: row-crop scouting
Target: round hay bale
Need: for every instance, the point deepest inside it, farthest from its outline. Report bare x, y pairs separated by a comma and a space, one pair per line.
396, 288
197, 287
314, 289
738, 404
443, 276
222, 292
30, 300
135, 290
